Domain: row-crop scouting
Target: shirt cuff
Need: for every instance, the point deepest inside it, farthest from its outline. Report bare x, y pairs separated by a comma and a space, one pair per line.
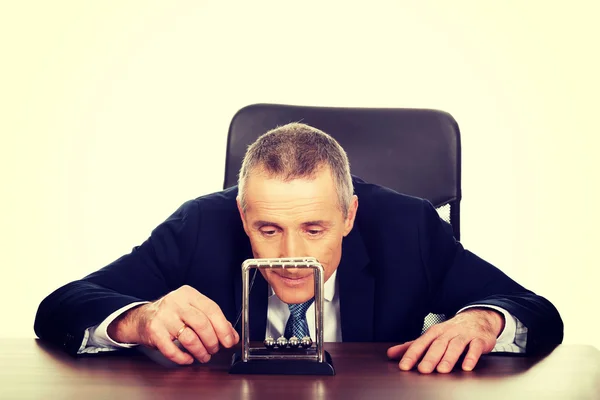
96, 339
507, 341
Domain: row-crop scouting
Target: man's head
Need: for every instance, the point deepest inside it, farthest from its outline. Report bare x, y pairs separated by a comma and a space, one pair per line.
296, 200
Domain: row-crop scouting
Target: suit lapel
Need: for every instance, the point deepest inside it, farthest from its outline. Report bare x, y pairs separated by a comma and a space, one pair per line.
356, 286
259, 301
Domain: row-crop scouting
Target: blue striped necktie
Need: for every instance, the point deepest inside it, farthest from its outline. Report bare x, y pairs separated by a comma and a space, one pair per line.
296, 324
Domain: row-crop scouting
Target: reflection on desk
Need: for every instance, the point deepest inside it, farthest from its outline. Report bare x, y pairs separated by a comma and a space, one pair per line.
33, 369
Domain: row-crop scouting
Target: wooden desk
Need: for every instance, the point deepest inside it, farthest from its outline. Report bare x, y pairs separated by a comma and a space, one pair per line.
32, 369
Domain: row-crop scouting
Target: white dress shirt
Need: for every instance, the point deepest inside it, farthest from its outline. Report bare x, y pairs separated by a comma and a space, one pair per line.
513, 338
279, 312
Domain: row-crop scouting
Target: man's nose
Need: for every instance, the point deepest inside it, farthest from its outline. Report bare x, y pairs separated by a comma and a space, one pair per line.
292, 246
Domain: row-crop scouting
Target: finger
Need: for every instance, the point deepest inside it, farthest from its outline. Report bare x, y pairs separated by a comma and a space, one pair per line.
220, 326
172, 352
395, 352
476, 348
415, 352
456, 347
202, 327
193, 344
434, 355
236, 336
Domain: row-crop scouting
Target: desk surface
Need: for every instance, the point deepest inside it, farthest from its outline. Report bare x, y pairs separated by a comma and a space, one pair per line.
32, 369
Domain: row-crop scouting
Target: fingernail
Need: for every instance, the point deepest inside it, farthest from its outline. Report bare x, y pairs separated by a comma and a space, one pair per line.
444, 366
228, 340
205, 359
425, 366
468, 365
405, 364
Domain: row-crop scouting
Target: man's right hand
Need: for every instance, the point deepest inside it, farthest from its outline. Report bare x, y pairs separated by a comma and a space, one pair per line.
157, 324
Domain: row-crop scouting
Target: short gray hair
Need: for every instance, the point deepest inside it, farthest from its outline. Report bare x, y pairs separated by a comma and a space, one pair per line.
298, 151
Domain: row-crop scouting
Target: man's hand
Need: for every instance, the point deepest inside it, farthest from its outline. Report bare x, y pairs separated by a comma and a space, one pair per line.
444, 343
157, 324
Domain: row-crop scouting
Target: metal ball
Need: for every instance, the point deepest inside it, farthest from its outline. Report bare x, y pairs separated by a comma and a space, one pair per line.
282, 342
294, 342
306, 342
269, 343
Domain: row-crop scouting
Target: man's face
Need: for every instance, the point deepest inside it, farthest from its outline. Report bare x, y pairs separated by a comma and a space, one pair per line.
299, 218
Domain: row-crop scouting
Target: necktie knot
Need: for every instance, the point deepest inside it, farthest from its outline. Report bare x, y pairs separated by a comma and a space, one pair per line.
299, 310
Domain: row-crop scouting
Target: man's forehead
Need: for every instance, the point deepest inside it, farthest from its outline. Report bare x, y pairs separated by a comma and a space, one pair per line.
261, 187
278, 204
313, 207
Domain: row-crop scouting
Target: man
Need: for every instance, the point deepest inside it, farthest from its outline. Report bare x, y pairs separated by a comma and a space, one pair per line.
388, 263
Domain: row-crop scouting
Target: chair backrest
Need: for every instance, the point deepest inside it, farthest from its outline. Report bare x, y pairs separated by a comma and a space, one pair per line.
412, 151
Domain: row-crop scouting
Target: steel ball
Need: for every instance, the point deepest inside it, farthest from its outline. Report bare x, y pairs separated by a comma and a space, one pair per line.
306, 342
294, 342
269, 343
282, 342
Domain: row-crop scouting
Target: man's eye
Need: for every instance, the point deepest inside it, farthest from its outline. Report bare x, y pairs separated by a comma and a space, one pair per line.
269, 232
314, 232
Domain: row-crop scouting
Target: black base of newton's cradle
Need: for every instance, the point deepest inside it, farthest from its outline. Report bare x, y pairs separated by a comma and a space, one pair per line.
282, 367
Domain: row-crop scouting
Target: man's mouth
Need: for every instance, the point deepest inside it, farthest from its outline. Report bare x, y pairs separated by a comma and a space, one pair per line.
293, 280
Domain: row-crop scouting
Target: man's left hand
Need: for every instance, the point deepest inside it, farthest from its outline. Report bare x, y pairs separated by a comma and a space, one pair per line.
443, 344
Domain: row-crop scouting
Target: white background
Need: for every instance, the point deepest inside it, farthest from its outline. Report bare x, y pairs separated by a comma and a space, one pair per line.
114, 113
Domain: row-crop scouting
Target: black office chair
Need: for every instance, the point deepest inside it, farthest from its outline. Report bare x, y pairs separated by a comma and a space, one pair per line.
411, 151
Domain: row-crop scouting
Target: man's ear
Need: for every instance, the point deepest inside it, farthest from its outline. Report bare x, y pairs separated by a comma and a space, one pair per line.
242, 216
351, 217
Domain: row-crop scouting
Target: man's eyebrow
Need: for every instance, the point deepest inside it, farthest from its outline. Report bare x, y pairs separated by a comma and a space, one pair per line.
320, 222
259, 224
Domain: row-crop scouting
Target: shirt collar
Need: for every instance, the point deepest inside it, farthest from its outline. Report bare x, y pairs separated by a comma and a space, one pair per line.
328, 288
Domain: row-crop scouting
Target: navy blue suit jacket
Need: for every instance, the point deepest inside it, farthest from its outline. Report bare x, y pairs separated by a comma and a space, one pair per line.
399, 263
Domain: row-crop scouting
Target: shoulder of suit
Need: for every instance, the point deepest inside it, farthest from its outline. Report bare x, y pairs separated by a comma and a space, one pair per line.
372, 195
224, 200
381, 208
218, 206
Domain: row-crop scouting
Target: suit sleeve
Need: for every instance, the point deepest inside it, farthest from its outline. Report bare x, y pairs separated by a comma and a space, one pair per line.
458, 278
151, 270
